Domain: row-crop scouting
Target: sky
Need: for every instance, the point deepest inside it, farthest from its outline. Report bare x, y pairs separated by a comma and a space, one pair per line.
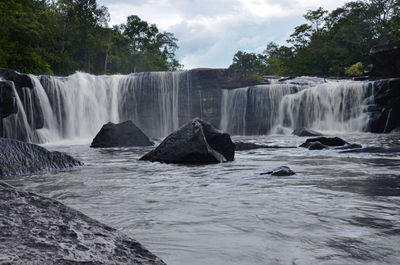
210, 32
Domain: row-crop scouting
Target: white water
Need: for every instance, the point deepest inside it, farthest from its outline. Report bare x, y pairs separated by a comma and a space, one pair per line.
330, 106
77, 106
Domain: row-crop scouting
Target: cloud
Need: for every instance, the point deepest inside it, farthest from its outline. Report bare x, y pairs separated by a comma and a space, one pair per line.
210, 32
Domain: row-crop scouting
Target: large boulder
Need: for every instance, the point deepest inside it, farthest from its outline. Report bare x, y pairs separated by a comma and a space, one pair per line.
19, 158
40, 230
385, 60
305, 132
195, 143
123, 134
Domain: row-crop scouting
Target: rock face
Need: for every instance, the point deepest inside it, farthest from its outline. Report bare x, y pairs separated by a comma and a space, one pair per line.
22, 87
124, 134
305, 132
385, 117
385, 60
40, 230
195, 143
8, 101
280, 171
19, 158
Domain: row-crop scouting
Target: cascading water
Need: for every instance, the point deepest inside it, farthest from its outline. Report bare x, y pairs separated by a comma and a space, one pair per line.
75, 107
263, 109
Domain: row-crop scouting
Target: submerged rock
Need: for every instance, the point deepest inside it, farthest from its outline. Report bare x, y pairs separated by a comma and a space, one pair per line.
19, 158
280, 171
328, 141
195, 143
40, 230
305, 132
243, 146
372, 149
123, 134
317, 146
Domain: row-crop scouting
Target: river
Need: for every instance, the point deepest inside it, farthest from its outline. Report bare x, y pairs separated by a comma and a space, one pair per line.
337, 209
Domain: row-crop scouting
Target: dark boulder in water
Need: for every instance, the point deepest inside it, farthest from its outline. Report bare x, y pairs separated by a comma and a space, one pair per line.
40, 230
317, 146
328, 141
195, 143
19, 158
280, 171
125, 134
305, 132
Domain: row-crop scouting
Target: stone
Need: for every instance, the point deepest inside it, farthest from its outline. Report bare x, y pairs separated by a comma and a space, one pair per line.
327, 141
280, 171
386, 116
27, 93
305, 132
195, 143
19, 158
40, 230
317, 146
125, 134
8, 99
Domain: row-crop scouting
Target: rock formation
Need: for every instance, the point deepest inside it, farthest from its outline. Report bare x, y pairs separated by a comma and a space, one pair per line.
123, 134
305, 132
280, 171
40, 230
19, 158
195, 143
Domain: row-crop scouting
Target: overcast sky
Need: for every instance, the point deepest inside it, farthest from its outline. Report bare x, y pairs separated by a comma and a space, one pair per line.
210, 32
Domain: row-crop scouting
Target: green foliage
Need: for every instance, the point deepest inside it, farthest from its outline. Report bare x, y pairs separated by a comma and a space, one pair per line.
256, 78
329, 42
355, 69
61, 37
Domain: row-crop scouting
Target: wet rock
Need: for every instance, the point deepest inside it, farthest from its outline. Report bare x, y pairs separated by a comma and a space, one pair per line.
280, 171
40, 230
19, 158
124, 134
195, 143
27, 93
305, 132
328, 141
8, 100
379, 150
317, 146
386, 116
243, 146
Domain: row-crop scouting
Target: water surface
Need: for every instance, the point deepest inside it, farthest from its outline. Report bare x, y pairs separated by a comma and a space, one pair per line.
337, 209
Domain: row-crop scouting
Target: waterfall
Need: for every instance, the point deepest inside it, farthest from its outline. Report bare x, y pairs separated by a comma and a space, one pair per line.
77, 106
332, 105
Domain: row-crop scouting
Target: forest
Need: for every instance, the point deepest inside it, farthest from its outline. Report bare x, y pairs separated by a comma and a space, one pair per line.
63, 36
333, 43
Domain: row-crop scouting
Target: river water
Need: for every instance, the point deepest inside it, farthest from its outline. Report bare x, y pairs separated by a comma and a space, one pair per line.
337, 209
